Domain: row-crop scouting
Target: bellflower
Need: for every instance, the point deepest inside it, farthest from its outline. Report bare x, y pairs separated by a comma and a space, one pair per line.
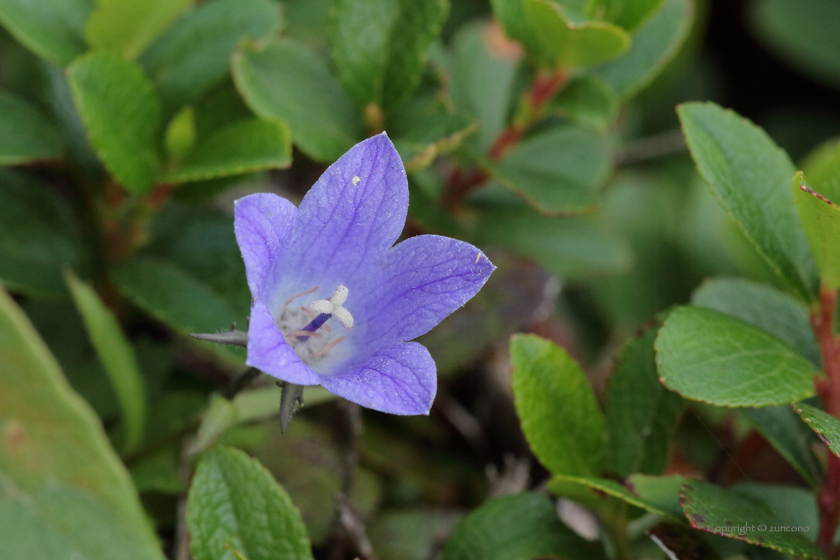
335, 302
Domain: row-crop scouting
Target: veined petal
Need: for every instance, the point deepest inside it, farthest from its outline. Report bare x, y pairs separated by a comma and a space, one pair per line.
269, 352
263, 224
398, 379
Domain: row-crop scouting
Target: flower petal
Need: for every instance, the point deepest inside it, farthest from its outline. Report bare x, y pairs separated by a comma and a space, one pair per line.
427, 277
398, 379
263, 224
269, 352
355, 212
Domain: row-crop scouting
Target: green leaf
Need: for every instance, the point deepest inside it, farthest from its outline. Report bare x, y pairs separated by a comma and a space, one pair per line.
121, 114
793, 505
63, 491
654, 45
558, 171
234, 504
750, 176
127, 26
804, 34
629, 14
655, 494
764, 307
241, 147
410, 534
25, 133
587, 101
324, 121
41, 236
378, 46
826, 426
117, 356
518, 527
193, 55
641, 414
52, 29
179, 138
822, 166
821, 222
723, 512
708, 356
557, 408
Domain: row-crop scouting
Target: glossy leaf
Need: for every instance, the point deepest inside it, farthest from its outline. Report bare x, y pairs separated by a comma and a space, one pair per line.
52, 29
708, 356
121, 114
750, 176
234, 504
127, 26
25, 134
378, 46
117, 356
826, 426
557, 408
587, 101
821, 222
65, 494
324, 121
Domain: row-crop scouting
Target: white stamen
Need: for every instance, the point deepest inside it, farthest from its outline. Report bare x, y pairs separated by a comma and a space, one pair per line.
334, 307
356, 181
340, 296
344, 317
322, 306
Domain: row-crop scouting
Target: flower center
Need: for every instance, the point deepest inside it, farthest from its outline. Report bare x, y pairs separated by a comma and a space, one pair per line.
305, 328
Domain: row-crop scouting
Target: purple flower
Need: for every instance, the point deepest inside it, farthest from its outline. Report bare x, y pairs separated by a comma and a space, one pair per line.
334, 301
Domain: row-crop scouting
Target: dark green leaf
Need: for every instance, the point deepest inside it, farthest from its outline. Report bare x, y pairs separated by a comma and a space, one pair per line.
52, 29
519, 527
557, 408
324, 121
193, 56
235, 505
708, 356
750, 176
410, 534
826, 426
794, 506
821, 221
121, 114
656, 494
25, 134
378, 45
588, 101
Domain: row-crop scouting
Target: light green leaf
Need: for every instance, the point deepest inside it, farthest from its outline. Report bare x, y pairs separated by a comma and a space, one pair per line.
826, 426
121, 114
127, 26
724, 512
41, 236
518, 527
117, 356
656, 494
241, 147
588, 101
52, 29
193, 55
235, 504
821, 222
63, 492
708, 356
654, 45
378, 46
628, 14
557, 408
558, 171
750, 176
641, 414
25, 134
325, 123
822, 167
179, 138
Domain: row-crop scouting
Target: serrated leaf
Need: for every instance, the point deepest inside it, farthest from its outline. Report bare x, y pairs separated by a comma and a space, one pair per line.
655, 494
25, 134
640, 413
826, 426
653, 46
41, 236
65, 493
750, 176
127, 26
518, 527
122, 115
715, 510
558, 171
52, 29
378, 46
193, 55
764, 307
821, 222
117, 356
708, 356
557, 408
235, 504
325, 123
587, 101
241, 147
